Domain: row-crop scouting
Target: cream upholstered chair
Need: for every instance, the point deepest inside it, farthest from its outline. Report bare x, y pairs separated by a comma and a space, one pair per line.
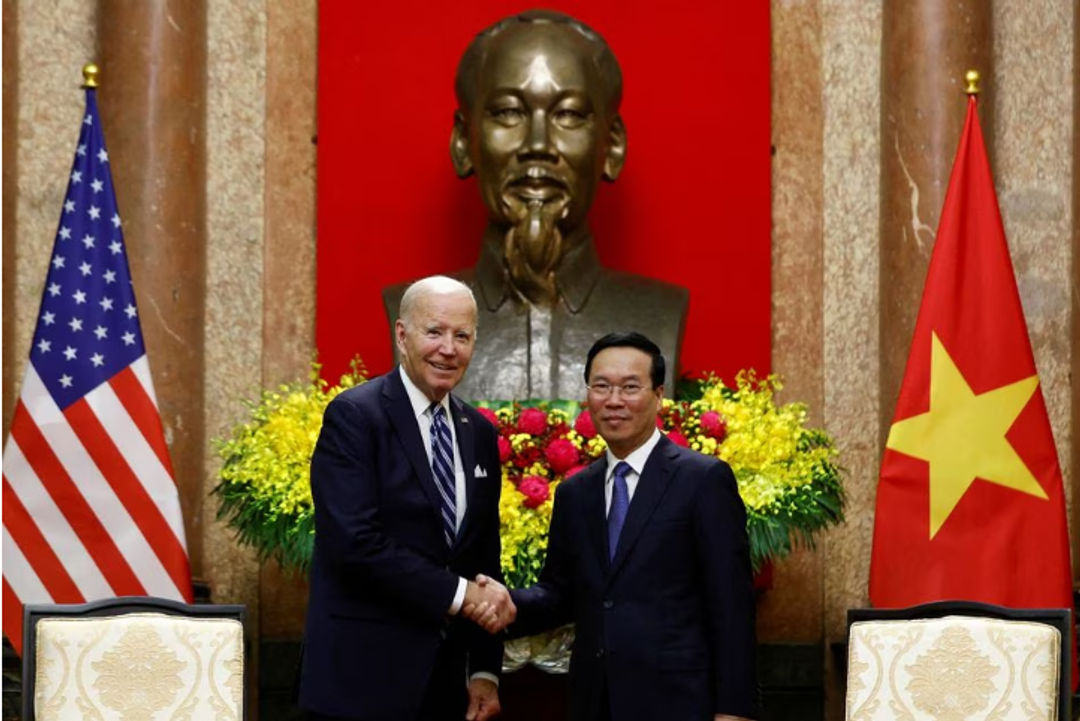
959, 661
133, 658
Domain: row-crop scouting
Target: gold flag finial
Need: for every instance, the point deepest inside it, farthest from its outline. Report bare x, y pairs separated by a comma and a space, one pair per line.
971, 77
90, 73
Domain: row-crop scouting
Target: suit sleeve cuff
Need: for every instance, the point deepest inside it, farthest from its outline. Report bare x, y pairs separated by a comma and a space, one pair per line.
485, 675
459, 597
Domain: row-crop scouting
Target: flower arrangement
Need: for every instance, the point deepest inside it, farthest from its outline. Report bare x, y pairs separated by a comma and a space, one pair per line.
265, 483
786, 472
539, 446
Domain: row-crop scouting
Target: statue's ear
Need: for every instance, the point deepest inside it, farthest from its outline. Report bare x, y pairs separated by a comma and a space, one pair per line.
459, 146
616, 152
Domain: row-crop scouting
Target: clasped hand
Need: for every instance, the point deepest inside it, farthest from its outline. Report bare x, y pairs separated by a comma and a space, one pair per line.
488, 604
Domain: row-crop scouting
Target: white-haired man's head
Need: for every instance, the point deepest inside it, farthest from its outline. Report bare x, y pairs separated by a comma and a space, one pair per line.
436, 333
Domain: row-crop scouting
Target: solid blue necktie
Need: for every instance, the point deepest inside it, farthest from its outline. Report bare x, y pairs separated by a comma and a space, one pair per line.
620, 504
442, 466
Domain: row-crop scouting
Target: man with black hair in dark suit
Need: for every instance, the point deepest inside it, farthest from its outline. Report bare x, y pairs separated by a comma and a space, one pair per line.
648, 555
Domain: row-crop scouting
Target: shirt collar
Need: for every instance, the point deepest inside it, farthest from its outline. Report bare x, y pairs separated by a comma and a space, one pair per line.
419, 401
636, 458
575, 277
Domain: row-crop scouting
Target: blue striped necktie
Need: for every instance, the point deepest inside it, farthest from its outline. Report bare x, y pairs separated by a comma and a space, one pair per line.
442, 466
620, 504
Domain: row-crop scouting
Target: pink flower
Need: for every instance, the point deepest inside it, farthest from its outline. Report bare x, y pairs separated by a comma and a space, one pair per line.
532, 421
585, 426
505, 449
490, 415
535, 489
677, 438
713, 425
573, 470
561, 455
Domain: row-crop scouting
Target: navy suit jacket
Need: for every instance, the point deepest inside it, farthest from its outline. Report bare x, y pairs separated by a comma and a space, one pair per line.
666, 628
382, 577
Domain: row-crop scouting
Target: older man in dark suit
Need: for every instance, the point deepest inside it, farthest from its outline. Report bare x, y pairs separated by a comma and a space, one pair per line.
406, 479
648, 555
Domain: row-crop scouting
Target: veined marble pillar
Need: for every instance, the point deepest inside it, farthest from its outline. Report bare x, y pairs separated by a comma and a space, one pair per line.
1075, 299
152, 101
927, 46
10, 202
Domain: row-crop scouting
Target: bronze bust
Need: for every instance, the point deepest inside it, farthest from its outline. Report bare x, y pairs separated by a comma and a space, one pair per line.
538, 122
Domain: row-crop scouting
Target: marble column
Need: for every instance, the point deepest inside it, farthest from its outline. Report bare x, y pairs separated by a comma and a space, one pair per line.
791, 611
927, 46
289, 249
1074, 283
10, 25
152, 99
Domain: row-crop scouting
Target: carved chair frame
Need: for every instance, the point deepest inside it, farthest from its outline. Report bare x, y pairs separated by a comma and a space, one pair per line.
1059, 618
120, 606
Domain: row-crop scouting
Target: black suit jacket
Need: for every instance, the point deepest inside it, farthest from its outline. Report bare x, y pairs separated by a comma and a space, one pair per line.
666, 628
382, 576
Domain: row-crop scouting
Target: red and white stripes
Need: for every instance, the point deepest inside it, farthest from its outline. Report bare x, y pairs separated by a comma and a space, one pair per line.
91, 509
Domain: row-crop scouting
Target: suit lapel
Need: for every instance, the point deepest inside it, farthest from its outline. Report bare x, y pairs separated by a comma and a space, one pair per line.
463, 429
650, 489
595, 511
399, 409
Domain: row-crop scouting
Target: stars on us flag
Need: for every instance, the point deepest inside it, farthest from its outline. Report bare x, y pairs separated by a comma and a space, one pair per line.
88, 329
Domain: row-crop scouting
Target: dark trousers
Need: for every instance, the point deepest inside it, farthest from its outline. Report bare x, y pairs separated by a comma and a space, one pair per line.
445, 699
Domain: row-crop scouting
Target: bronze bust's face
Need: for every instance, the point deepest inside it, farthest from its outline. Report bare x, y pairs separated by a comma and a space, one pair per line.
538, 124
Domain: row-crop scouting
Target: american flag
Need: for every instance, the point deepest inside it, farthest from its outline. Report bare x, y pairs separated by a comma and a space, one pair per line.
90, 507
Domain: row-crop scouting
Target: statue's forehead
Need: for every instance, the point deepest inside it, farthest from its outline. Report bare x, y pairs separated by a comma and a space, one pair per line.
540, 53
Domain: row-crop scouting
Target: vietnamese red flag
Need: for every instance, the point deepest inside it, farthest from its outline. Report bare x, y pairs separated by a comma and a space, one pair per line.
970, 503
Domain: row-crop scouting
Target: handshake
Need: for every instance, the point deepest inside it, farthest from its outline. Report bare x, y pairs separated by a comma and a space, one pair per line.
488, 604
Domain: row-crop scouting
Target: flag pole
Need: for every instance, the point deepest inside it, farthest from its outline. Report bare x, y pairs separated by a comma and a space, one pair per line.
90, 73
971, 77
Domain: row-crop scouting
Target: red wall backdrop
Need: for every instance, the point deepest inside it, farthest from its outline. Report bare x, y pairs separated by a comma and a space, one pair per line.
691, 206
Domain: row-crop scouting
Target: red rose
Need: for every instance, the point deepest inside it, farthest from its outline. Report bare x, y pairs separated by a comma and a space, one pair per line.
659, 421
574, 470
677, 438
490, 415
585, 426
561, 455
532, 421
713, 425
505, 449
535, 489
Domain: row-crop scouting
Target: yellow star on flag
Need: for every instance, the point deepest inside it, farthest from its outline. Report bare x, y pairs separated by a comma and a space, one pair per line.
962, 436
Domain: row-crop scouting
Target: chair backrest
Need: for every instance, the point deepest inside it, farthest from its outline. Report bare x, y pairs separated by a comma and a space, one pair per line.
959, 660
133, 658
